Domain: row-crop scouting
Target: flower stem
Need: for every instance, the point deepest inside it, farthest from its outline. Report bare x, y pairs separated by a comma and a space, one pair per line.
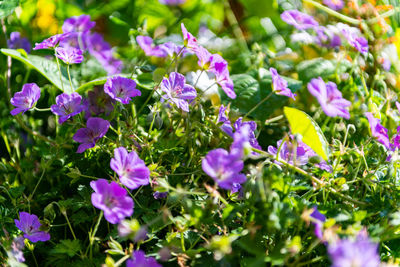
333, 12
259, 104
42, 109
69, 78
93, 233
59, 71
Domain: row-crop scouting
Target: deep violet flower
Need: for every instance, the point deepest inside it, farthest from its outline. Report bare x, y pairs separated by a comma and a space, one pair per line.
25, 99
80, 23
30, 224
189, 40
299, 20
159, 195
377, 130
360, 252
100, 102
16, 41
223, 168
172, 2
280, 85
334, 4
17, 246
146, 43
330, 98
318, 222
69, 55
177, 91
132, 171
396, 139
95, 129
242, 142
112, 199
51, 42
139, 259
121, 89
67, 106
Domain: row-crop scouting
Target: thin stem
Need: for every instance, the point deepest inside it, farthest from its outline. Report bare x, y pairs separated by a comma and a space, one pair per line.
122, 260
259, 104
277, 118
69, 78
37, 184
384, 15
41, 109
34, 259
93, 233
69, 224
333, 12
59, 71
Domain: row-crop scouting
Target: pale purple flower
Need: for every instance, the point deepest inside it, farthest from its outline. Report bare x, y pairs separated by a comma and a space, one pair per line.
172, 2
252, 127
112, 199
219, 67
242, 142
354, 38
223, 168
330, 98
67, 106
74, 39
377, 130
287, 153
334, 4
318, 222
121, 89
139, 259
30, 224
17, 246
25, 99
205, 58
223, 118
95, 129
396, 140
146, 43
177, 91
80, 23
328, 37
172, 49
299, 20
69, 55
132, 171
189, 40
280, 85
360, 252
51, 42
16, 41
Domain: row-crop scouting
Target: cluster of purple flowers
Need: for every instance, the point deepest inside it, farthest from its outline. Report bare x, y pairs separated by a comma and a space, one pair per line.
16, 42
162, 50
76, 38
329, 36
285, 150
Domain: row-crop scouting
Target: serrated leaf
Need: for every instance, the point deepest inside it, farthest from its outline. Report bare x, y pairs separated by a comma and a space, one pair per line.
69, 247
303, 124
7, 7
46, 67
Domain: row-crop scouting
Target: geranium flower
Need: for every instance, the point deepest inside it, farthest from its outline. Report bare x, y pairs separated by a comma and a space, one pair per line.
146, 43
223, 168
172, 49
287, 152
30, 224
69, 55
131, 170
95, 129
25, 99
177, 91
100, 102
239, 124
16, 41
189, 40
219, 67
377, 130
299, 20
360, 252
139, 259
80, 23
67, 106
17, 247
353, 37
318, 222
51, 42
334, 4
172, 2
112, 199
223, 118
330, 98
121, 89
280, 85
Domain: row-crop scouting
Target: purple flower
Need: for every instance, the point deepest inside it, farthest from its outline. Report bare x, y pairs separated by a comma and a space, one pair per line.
80, 23
205, 57
51, 42
219, 67
299, 20
223, 168
377, 130
177, 91
241, 145
72, 40
67, 106
172, 49
353, 37
146, 43
17, 246
159, 195
172, 2
396, 140
95, 129
189, 40
30, 224
328, 37
25, 99
121, 89
330, 98
112, 199
252, 127
286, 153
318, 222
139, 259
280, 85
69, 55
131, 170
334, 4
360, 252
16, 42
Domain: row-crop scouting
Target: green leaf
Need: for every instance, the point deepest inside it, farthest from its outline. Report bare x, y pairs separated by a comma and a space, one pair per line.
251, 91
46, 67
69, 247
301, 123
7, 7
320, 67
